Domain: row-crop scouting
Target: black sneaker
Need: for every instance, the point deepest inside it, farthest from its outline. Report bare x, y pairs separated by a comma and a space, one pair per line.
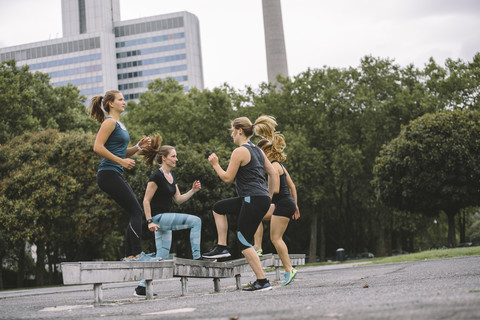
256, 286
206, 259
217, 253
141, 292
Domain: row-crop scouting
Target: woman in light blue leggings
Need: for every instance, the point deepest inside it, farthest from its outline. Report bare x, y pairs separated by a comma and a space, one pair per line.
168, 222
161, 191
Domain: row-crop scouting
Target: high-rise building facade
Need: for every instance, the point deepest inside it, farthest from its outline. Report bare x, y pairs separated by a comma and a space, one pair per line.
99, 52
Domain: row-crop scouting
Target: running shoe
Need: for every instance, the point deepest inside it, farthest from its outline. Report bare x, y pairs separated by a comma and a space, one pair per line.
256, 286
260, 252
205, 259
141, 292
145, 257
289, 276
217, 253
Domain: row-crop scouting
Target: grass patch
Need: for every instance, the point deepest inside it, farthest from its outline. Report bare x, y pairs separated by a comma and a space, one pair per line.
417, 256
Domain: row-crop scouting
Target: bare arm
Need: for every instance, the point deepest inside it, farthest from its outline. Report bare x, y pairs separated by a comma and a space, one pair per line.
181, 198
239, 156
293, 192
149, 192
278, 171
143, 143
272, 176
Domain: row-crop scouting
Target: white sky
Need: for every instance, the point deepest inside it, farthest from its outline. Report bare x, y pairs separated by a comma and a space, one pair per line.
335, 33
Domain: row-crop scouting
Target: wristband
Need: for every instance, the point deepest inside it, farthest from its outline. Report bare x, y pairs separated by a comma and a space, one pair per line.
138, 147
149, 221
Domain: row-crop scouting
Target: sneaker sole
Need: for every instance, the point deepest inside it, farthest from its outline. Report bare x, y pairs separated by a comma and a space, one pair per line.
263, 289
218, 256
142, 295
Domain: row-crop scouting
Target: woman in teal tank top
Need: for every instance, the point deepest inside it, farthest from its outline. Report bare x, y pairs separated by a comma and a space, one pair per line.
111, 144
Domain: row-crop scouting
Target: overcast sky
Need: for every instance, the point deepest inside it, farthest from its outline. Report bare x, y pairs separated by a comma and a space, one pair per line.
335, 33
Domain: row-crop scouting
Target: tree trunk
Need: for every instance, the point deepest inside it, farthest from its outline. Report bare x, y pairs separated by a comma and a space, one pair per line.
452, 241
40, 266
462, 225
323, 245
1, 271
21, 259
381, 251
313, 239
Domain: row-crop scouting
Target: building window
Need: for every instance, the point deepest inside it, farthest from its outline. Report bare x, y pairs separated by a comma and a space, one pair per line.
82, 16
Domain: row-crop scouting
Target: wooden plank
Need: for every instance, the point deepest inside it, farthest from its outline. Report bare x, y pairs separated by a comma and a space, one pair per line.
86, 272
297, 259
201, 269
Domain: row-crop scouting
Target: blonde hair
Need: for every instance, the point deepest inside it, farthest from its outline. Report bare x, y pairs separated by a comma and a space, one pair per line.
265, 127
245, 124
155, 151
273, 142
274, 149
95, 107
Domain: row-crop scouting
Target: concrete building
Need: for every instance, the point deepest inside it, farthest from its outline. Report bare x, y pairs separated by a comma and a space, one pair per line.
274, 40
99, 52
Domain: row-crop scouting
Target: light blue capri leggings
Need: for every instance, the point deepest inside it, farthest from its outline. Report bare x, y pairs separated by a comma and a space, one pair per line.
169, 222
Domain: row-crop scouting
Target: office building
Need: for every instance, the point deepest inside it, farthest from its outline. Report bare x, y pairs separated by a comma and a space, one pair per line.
99, 52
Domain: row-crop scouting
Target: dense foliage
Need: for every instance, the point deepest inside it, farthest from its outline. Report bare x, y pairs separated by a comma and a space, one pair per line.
335, 121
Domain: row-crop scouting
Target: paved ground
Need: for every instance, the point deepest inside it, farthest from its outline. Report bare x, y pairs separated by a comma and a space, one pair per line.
436, 289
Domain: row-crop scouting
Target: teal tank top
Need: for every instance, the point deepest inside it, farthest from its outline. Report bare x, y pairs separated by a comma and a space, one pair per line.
117, 144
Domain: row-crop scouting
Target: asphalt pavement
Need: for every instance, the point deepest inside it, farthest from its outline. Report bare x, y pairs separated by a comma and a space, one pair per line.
431, 289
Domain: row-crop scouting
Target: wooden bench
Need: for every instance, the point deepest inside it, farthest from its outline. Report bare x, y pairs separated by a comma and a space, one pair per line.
100, 272
187, 268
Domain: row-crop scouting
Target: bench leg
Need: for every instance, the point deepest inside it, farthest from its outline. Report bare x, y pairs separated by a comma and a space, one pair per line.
184, 281
238, 281
216, 284
277, 273
97, 291
149, 289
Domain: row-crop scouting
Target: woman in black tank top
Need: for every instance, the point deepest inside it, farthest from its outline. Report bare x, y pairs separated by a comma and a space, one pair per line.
284, 202
246, 168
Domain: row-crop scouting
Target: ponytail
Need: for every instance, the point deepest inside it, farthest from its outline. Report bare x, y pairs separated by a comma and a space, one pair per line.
264, 127
95, 108
155, 151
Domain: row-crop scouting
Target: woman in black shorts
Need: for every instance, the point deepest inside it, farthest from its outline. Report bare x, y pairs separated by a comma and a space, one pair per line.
246, 167
284, 202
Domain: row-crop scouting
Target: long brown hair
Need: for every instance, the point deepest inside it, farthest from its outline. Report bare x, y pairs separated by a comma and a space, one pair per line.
155, 151
95, 108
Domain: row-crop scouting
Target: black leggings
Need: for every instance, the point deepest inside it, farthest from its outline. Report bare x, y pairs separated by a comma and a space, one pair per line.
250, 210
115, 186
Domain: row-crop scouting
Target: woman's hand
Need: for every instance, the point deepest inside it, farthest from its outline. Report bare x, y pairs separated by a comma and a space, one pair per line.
127, 163
196, 186
145, 142
296, 215
153, 227
213, 159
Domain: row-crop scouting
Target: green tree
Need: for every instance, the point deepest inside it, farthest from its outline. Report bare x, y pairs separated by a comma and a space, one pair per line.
432, 166
49, 196
196, 116
30, 103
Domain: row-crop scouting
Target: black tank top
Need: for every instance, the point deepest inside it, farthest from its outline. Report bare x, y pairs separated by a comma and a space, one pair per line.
284, 191
250, 179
